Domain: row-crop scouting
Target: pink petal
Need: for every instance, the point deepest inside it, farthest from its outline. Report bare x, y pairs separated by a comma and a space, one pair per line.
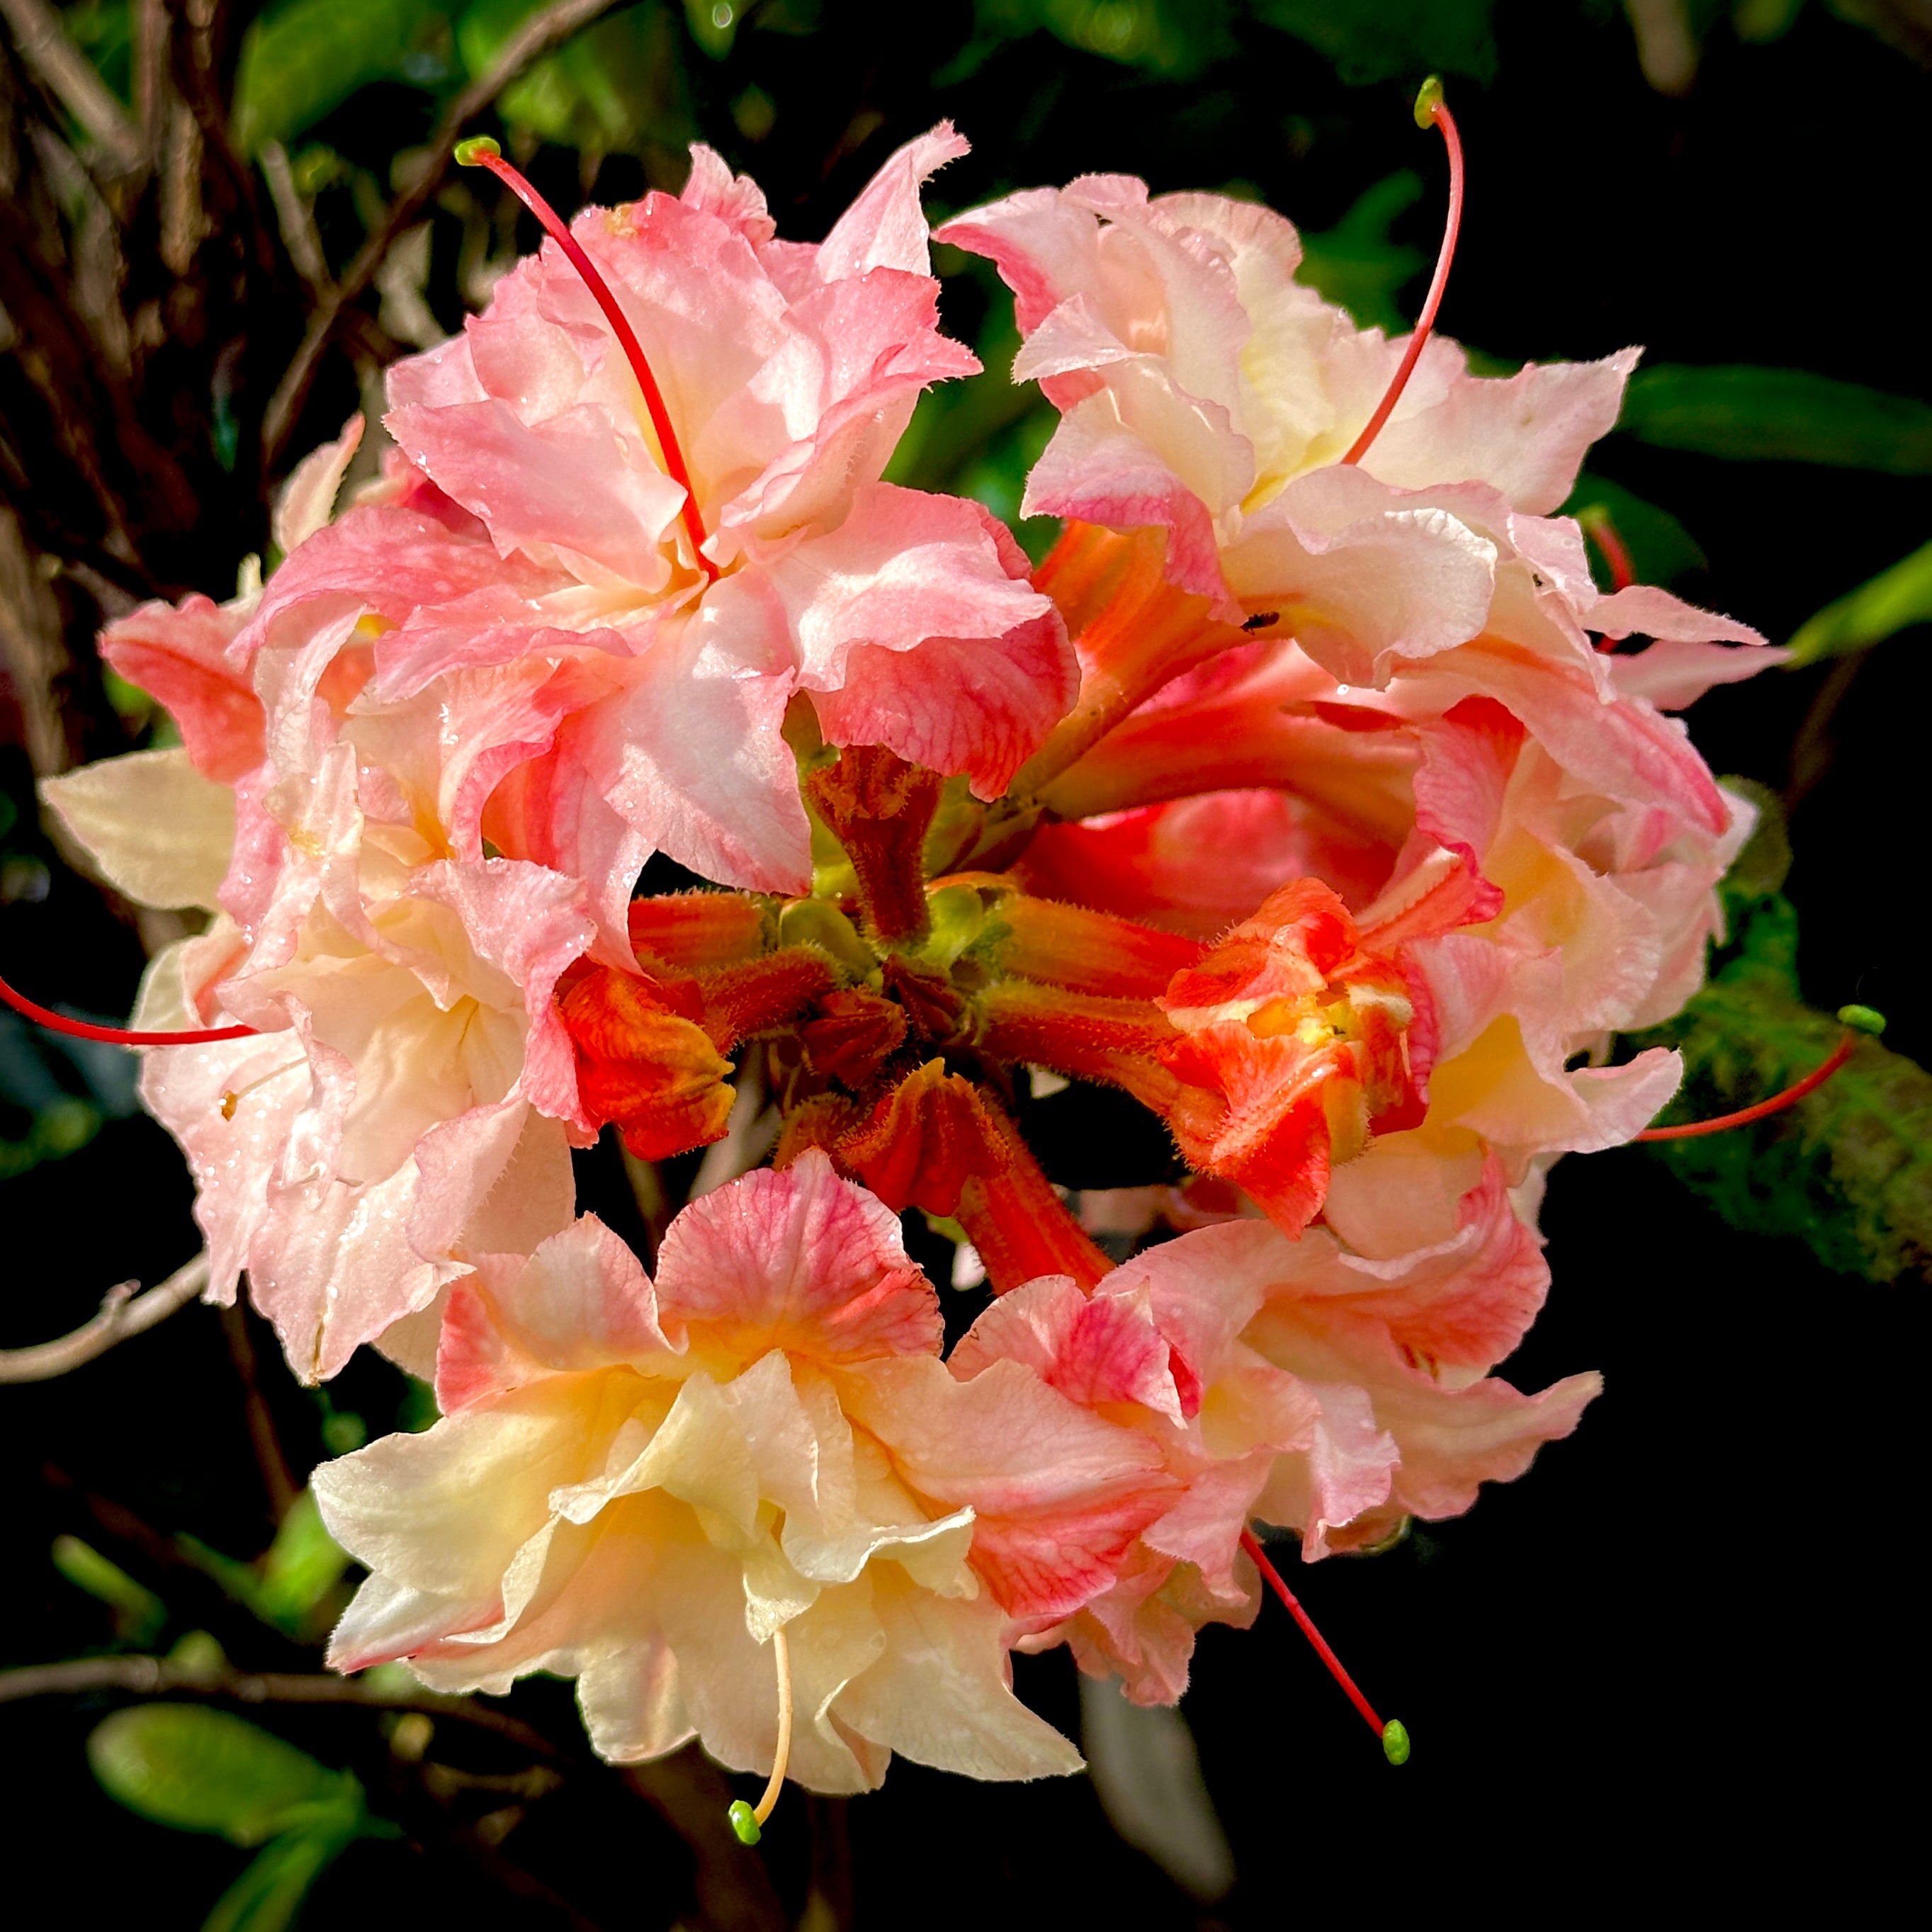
1097, 1349
692, 757
917, 630
579, 1302
179, 656
799, 1260
1058, 1495
1524, 435
885, 227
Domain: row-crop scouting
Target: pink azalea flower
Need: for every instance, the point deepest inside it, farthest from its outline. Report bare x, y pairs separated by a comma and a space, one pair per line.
1205, 393
1330, 1391
409, 1096
1409, 1339
676, 1492
1155, 1345
633, 685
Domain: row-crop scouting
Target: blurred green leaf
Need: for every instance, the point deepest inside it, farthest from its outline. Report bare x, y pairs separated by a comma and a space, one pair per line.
293, 1585
1174, 38
602, 91
199, 1653
1661, 549
1357, 265
1763, 20
714, 24
199, 1770
418, 1409
269, 1895
303, 1566
1849, 1169
101, 29
1892, 601
997, 476
45, 1121
302, 58
139, 1615
1371, 41
1778, 415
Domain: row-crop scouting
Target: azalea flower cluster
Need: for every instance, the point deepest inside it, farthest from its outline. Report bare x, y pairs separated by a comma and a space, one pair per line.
1295, 795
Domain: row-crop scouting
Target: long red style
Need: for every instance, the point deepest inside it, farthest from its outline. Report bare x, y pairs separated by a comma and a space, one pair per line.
482, 153
1430, 107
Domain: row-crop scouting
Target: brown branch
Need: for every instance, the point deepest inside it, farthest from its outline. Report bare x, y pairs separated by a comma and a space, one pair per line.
70, 76
151, 35
541, 31
299, 236
278, 1481
122, 1314
160, 1677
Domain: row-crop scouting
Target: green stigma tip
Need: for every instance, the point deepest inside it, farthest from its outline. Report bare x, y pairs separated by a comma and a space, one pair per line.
468, 153
1861, 1019
744, 1820
1395, 1742
1428, 98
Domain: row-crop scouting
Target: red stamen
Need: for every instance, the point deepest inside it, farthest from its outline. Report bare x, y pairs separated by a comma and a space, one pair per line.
1860, 1022
1430, 107
1601, 532
116, 1036
1389, 1733
482, 153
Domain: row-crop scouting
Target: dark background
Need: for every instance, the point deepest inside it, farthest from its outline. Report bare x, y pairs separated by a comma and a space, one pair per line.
1673, 1662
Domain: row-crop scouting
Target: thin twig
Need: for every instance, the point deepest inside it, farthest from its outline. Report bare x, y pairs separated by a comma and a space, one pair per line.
541, 32
123, 1313
297, 218
1814, 747
152, 43
44, 45
277, 1480
160, 1676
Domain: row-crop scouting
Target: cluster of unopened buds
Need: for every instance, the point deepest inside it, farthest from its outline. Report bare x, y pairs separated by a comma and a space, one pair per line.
1296, 794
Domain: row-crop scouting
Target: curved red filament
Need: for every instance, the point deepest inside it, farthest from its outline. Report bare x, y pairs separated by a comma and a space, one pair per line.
554, 226
1439, 114
1293, 1605
115, 1036
1610, 547
1776, 1104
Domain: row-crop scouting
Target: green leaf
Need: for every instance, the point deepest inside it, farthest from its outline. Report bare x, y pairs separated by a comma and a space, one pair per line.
1778, 415
1372, 41
139, 1615
302, 58
713, 24
1661, 549
199, 1770
1849, 1169
602, 92
269, 1895
101, 30
1357, 266
1892, 601
1174, 38
294, 1586
303, 1567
